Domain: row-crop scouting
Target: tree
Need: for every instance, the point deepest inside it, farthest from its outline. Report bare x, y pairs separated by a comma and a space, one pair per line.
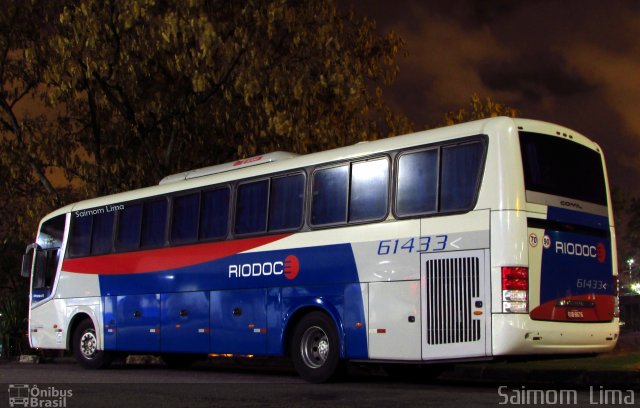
153, 88
479, 109
103, 96
23, 167
13, 301
629, 232
19, 81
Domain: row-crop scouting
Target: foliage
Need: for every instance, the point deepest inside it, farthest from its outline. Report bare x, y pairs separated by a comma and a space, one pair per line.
155, 87
632, 236
479, 109
23, 167
104, 96
13, 301
621, 201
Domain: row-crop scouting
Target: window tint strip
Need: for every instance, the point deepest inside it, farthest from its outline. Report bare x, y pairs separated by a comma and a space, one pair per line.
251, 207
460, 176
214, 214
330, 193
417, 183
154, 221
128, 237
286, 202
369, 190
102, 234
80, 240
184, 222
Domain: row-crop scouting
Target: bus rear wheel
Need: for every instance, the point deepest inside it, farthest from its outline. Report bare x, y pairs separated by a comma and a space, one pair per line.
85, 347
315, 349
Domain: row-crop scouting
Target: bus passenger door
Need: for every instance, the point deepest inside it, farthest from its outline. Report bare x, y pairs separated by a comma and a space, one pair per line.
185, 322
239, 322
455, 304
138, 323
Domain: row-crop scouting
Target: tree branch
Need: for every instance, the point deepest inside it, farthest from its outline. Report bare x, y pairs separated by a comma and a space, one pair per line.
33, 163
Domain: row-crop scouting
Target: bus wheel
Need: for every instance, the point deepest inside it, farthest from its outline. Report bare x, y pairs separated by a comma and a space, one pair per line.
315, 349
85, 347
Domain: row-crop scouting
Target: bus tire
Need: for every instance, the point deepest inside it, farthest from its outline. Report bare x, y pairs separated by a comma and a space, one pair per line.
315, 348
85, 347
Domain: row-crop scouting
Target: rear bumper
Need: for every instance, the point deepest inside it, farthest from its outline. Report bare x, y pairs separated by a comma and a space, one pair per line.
519, 335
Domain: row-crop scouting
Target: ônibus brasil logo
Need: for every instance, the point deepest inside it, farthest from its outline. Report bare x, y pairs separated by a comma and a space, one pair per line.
289, 268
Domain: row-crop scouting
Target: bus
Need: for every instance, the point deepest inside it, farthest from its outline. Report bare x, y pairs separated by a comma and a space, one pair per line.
477, 241
19, 395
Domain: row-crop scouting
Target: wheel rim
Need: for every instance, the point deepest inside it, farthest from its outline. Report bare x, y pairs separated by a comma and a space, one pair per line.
314, 347
89, 344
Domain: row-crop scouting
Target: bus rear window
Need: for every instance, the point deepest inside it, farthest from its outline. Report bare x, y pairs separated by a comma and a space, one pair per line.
562, 168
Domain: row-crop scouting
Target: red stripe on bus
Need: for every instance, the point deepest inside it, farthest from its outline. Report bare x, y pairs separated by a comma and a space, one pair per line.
161, 259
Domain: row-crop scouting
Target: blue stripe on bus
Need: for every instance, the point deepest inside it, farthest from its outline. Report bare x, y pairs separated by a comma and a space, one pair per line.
279, 282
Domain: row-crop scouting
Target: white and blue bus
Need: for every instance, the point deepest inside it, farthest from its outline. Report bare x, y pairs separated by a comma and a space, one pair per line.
489, 239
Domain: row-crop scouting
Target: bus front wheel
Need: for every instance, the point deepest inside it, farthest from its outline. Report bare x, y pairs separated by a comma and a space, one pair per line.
85, 347
315, 349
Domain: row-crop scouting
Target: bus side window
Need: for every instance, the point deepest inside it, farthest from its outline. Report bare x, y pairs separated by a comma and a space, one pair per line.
214, 214
80, 237
286, 202
184, 223
102, 233
330, 189
369, 190
417, 183
460, 176
39, 272
154, 221
251, 207
128, 236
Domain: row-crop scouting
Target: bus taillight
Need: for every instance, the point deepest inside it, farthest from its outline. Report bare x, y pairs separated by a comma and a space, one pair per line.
515, 289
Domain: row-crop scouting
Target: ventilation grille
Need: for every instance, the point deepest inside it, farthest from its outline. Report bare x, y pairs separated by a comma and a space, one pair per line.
451, 286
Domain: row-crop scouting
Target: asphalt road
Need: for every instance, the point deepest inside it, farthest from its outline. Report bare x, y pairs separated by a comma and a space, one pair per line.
68, 385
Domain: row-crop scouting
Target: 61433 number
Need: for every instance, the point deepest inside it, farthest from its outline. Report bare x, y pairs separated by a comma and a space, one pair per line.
420, 245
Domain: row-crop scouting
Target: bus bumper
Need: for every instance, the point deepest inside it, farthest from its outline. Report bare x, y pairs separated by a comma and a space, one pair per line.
514, 334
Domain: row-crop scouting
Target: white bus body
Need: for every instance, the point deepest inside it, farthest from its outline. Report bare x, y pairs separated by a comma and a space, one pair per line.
465, 242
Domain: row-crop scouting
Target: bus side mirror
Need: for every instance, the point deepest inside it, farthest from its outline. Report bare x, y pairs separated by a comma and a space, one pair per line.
27, 261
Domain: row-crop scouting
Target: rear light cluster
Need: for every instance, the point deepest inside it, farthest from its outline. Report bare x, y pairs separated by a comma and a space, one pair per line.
515, 289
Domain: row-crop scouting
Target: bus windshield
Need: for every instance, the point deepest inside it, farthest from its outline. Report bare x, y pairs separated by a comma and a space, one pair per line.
562, 168
47, 257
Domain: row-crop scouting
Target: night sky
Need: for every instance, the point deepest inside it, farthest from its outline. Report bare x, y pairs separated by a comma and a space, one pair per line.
575, 63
